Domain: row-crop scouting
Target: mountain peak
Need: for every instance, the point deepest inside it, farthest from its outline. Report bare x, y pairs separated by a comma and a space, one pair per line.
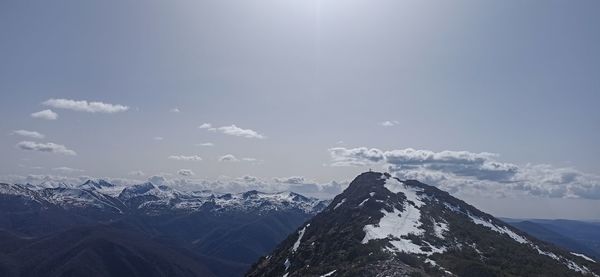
382, 226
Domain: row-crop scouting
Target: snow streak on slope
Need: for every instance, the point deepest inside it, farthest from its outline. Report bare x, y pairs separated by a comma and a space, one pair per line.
520, 239
300, 235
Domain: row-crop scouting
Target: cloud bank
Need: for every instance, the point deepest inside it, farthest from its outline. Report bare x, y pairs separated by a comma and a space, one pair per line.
468, 172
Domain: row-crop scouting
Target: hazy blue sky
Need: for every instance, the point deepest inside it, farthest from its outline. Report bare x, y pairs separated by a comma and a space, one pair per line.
314, 80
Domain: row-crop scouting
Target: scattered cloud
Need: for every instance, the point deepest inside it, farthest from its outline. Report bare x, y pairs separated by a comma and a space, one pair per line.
233, 130
228, 158
206, 144
45, 114
185, 172
158, 138
175, 110
137, 173
85, 106
30, 134
185, 158
67, 169
45, 147
475, 173
389, 123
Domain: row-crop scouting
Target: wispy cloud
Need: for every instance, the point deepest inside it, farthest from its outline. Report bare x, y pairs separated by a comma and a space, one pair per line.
185, 158
45, 147
66, 169
158, 138
175, 110
205, 126
234, 130
45, 114
389, 123
206, 144
137, 173
85, 106
30, 134
185, 172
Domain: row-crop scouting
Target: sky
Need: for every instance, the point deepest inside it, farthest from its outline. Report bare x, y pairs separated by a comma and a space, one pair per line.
496, 102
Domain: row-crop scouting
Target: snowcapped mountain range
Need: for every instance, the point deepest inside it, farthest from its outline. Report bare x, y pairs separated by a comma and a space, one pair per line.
382, 226
154, 199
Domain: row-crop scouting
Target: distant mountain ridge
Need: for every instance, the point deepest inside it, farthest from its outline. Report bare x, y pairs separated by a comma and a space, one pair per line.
581, 237
382, 226
208, 233
153, 199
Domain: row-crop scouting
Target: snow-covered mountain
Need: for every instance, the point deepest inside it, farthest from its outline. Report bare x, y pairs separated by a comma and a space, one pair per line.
155, 199
381, 226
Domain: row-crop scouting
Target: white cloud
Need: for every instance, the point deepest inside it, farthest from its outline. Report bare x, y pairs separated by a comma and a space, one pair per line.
45, 114
476, 173
138, 173
67, 169
355, 156
206, 144
228, 158
175, 110
389, 123
45, 147
158, 138
185, 158
185, 172
85, 106
291, 180
30, 134
232, 158
233, 130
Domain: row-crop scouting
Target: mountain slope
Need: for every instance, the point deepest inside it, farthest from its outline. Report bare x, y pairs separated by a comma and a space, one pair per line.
567, 239
380, 226
97, 251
